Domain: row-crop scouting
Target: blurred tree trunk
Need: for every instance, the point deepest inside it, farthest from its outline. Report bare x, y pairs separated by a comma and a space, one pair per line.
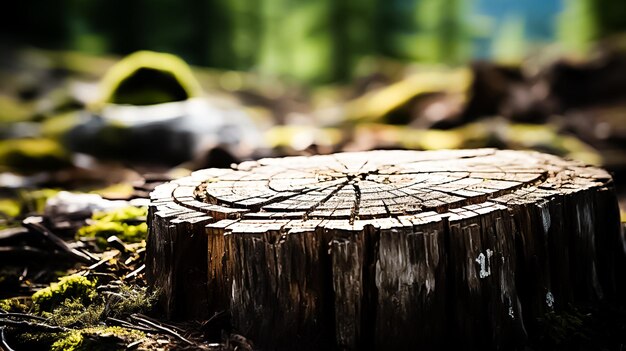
585, 21
122, 22
218, 30
42, 23
425, 30
245, 33
297, 39
611, 17
355, 34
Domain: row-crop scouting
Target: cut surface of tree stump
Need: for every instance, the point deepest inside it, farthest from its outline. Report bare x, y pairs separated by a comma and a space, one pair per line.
387, 249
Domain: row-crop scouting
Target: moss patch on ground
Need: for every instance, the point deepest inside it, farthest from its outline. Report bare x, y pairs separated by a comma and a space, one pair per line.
32, 155
13, 110
96, 338
126, 223
74, 303
71, 287
9, 207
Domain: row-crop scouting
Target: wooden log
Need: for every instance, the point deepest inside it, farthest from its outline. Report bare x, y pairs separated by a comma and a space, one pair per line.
387, 249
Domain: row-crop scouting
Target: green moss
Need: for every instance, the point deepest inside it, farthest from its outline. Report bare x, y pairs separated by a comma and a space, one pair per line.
118, 223
37, 340
10, 207
121, 333
131, 300
11, 110
35, 200
103, 230
73, 303
97, 338
146, 78
560, 328
72, 287
58, 125
32, 155
69, 342
13, 305
73, 312
125, 214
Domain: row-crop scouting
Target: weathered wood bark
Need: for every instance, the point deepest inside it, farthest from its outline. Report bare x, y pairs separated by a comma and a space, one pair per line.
393, 249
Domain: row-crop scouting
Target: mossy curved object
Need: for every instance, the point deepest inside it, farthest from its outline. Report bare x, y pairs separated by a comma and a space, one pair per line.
148, 78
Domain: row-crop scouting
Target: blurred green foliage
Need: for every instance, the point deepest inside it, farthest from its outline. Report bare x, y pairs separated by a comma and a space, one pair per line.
585, 21
312, 40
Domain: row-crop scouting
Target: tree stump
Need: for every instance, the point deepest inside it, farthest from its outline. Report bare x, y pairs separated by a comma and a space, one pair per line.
392, 249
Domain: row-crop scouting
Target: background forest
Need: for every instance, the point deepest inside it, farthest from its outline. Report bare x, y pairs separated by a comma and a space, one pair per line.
317, 41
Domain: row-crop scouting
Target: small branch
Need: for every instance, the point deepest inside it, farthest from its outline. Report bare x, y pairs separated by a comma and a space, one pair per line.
32, 325
134, 344
144, 320
13, 235
135, 272
128, 325
106, 257
179, 330
22, 315
3, 340
34, 223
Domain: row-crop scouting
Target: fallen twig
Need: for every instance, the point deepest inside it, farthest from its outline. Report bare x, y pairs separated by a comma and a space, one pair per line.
106, 257
146, 320
32, 325
11, 236
3, 339
34, 223
134, 344
22, 315
135, 272
173, 327
129, 325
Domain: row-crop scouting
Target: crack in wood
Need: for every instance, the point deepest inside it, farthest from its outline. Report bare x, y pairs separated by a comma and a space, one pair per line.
357, 203
324, 200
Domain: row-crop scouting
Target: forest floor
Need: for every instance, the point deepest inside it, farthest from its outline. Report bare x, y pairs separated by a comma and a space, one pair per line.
71, 263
